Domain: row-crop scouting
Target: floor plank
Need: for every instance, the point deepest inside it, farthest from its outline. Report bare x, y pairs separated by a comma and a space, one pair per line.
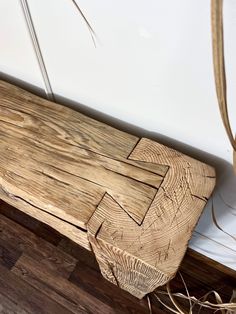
44, 272
9, 307
8, 254
58, 288
27, 297
18, 238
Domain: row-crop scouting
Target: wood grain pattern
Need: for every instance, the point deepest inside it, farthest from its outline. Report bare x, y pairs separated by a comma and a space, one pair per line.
17, 289
152, 251
57, 288
134, 202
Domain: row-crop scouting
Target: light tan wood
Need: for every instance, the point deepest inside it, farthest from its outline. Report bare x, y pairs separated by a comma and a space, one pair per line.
149, 254
132, 201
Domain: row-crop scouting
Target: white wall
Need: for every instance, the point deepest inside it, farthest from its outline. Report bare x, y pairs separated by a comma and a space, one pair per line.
151, 68
16, 52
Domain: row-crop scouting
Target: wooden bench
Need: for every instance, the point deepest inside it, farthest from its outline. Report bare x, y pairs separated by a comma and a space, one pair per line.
132, 201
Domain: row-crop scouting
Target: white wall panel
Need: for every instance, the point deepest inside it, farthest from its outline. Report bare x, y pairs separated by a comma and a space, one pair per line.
17, 57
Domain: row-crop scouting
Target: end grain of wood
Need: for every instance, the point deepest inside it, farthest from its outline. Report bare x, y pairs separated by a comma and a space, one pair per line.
132, 201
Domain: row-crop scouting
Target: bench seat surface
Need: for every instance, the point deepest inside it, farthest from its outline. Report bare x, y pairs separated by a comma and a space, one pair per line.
133, 201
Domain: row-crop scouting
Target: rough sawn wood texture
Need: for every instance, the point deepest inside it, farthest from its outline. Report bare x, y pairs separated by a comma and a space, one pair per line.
132, 201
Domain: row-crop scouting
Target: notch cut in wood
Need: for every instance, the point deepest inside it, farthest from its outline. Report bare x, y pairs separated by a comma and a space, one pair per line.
133, 201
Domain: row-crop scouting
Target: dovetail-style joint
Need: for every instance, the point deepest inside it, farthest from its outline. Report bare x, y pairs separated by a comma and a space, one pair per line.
139, 258
136, 213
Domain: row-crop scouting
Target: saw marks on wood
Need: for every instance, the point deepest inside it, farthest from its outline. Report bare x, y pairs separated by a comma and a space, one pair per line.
133, 201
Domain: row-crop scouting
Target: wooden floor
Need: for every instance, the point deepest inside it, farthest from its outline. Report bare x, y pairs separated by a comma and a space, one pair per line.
43, 272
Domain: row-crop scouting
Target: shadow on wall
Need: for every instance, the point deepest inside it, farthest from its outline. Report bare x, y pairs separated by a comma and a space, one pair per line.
226, 180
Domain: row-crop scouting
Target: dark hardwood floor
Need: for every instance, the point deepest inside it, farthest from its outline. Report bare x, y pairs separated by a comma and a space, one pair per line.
43, 272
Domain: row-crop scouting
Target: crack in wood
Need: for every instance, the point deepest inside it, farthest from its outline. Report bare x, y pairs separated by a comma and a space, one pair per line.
132, 178
16, 197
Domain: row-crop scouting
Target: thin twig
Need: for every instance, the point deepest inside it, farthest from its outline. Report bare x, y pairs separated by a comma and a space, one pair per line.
149, 304
216, 223
37, 49
91, 30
